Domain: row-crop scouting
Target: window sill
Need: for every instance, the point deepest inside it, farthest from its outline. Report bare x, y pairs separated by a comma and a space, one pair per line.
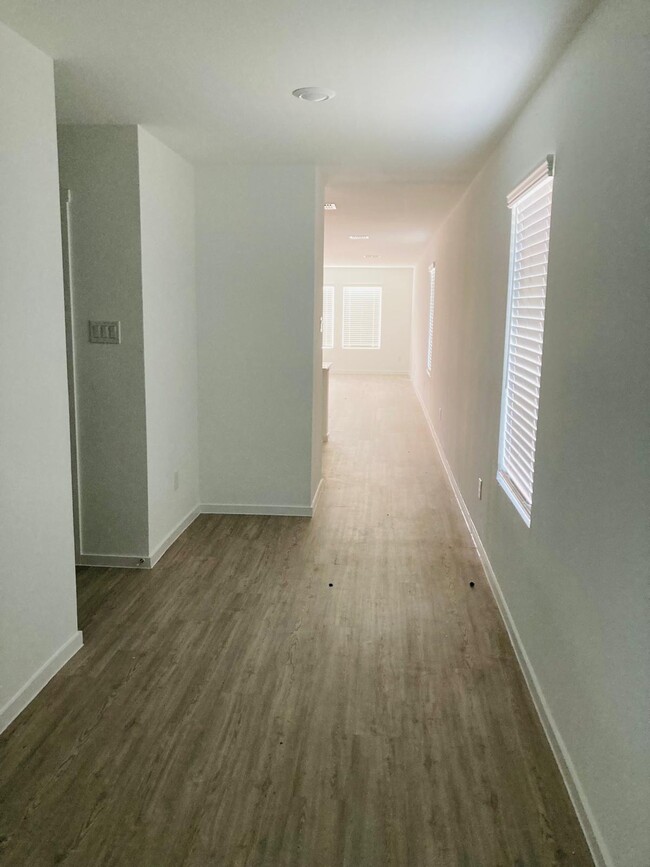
515, 497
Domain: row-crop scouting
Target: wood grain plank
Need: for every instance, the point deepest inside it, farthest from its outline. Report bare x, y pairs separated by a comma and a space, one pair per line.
231, 708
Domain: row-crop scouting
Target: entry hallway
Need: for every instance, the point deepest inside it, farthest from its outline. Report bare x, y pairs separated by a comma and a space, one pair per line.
282, 691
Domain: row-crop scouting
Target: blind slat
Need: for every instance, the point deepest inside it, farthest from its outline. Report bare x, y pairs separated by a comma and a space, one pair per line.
528, 332
525, 384
432, 300
524, 433
528, 342
527, 421
535, 271
527, 236
535, 254
528, 223
522, 460
328, 317
539, 210
521, 404
532, 204
521, 484
517, 359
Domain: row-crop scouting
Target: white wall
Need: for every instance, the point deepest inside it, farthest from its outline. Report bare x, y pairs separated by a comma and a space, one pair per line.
99, 164
317, 355
257, 253
170, 338
393, 356
576, 583
133, 259
38, 614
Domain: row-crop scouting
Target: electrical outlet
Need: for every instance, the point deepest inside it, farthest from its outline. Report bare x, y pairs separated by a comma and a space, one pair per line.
176, 480
480, 488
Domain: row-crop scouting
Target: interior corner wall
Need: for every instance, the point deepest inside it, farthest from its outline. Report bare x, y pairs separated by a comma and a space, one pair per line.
38, 613
394, 353
256, 302
99, 164
317, 386
576, 583
167, 206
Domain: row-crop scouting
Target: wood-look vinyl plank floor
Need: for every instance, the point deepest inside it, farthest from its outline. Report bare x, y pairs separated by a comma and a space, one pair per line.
231, 708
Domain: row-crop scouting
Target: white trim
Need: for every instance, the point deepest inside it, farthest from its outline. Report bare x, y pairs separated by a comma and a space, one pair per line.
545, 169
39, 679
587, 820
319, 491
173, 536
255, 509
114, 561
515, 497
375, 372
368, 267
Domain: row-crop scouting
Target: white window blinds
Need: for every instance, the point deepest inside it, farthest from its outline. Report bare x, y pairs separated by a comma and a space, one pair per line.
361, 317
328, 317
530, 232
432, 302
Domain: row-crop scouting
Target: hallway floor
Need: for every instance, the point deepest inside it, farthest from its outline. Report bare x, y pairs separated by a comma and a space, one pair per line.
280, 691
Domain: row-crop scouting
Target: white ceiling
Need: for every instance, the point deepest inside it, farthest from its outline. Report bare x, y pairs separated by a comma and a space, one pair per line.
400, 219
423, 86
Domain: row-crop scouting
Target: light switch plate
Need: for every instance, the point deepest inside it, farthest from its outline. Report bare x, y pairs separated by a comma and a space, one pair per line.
104, 332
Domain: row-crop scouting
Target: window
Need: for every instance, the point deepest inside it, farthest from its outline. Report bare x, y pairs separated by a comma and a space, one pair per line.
432, 301
328, 317
361, 317
531, 223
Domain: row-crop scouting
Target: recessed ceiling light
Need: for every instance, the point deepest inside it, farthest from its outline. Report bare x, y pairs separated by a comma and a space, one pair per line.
313, 94
329, 206
372, 256
359, 237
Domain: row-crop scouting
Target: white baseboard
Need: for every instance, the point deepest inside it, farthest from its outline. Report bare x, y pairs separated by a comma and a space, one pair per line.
39, 679
319, 491
173, 536
597, 846
114, 561
253, 509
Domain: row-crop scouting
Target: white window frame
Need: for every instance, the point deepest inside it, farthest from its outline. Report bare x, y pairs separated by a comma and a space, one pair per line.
328, 322
346, 301
521, 384
432, 305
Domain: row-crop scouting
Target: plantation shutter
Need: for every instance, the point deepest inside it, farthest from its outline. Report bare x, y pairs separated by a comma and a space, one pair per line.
531, 224
328, 317
361, 317
432, 301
